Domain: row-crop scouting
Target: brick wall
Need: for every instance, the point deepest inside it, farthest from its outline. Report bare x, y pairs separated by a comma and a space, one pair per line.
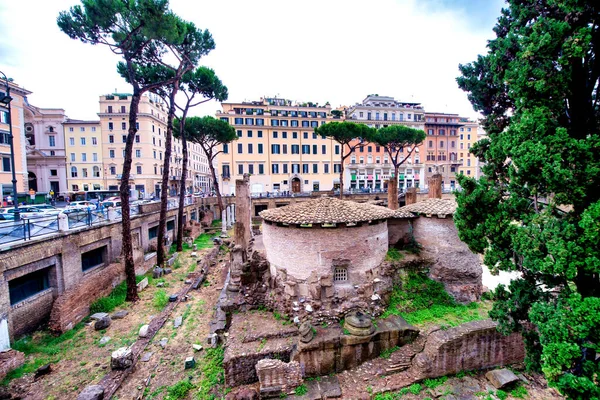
74, 304
301, 251
452, 263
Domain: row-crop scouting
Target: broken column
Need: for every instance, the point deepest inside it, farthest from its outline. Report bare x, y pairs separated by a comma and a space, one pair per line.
121, 358
224, 223
435, 186
411, 196
277, 377
392, 185
243, 232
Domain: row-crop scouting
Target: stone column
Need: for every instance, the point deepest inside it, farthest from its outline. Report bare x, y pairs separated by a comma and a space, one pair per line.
230, 215
393, 193
435, 186
411, 196
233, 213
63, 222
243, 232
224, 223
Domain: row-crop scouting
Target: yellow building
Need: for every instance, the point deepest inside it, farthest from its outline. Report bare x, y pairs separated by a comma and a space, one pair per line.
148, 148
17, 104
468, 136
83, 149
277, 146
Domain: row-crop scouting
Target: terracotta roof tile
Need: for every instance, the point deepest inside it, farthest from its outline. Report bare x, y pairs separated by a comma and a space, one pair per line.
430, 207
326, 210
403, 214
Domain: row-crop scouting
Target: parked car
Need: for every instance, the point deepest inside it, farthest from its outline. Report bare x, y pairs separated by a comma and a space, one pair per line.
24, 211
111, 203
81, 205
47, 210
7, 217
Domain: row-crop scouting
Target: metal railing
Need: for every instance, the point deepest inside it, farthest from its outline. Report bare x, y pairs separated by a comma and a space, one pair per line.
27, 228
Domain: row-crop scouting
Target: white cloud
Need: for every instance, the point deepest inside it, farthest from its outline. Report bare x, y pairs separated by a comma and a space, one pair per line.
336, 51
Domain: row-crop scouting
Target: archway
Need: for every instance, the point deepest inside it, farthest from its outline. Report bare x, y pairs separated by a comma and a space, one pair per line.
296, 185
32, 181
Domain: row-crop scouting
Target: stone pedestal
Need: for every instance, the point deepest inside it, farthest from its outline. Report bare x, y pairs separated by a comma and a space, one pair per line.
411, 196
435, 186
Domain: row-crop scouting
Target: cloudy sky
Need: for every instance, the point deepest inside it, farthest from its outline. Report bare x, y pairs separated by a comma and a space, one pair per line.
327, 50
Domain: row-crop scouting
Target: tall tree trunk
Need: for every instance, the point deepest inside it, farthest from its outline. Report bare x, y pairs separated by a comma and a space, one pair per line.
217, 190
132, 294
164, 191
342, 176
182, 192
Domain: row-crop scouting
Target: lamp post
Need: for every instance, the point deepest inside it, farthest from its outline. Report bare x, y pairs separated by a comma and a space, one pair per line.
5, 100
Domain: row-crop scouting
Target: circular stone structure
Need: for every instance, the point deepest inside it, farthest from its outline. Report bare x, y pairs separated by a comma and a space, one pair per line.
326, 237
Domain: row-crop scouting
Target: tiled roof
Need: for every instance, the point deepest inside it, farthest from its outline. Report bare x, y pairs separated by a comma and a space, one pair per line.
430, 207
326, 210
403, 214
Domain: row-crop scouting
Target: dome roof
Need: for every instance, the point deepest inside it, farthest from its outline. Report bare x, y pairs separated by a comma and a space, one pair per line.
326, 210
431, 207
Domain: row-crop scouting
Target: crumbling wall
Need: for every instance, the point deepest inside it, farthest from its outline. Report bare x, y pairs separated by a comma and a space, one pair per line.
471, 346
452, 263
399, 231
74, 304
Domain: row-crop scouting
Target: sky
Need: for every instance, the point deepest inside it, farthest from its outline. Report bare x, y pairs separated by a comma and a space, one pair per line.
309, 50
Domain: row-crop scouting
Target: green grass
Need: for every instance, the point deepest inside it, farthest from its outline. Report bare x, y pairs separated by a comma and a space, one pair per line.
393, 255
179, 390
216, 223
420, 300
160, 299
114, 299
387, 353
435, 382
415, 388
213, 374
520, 392
45, 348
301, 390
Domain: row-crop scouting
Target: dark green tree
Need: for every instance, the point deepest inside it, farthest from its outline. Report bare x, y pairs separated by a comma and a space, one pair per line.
536, 210
198, 86
349, 136
140, 31
399, 142
211, 134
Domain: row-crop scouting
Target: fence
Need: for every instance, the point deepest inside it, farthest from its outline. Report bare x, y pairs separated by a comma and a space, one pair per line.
26, 229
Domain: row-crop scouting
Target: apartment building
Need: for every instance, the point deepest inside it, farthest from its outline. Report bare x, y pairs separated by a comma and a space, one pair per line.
277, 146
469, 134
148, 148
45, 149
83, 148
441, 147
369, 166
19, 99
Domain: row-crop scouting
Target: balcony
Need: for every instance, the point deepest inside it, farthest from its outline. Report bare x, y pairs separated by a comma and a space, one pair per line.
226, 176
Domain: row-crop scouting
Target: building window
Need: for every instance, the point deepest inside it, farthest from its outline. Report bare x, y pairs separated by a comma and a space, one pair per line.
240, 169
275, 168
84, 157
72, 157
28, 285
138, 153
225, 148
249, 148
93, 258
326, 168
305, 168
315, 168
305, 149
52, 141
84, 173
340, 274
260, 148
96, 172
152, 232
138, 169
251, 169
53, 172
111, 153
275, 149
72, 141
240, 148
261, 169
285, 168
113, 170
171, 225
111, 138
137, 138
337, 149
73, 172
124, 126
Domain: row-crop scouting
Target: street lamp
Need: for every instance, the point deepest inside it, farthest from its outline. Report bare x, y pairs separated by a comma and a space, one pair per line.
5, 100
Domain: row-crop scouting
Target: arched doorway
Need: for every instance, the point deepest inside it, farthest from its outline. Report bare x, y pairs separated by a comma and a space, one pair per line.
296, 185
32, 181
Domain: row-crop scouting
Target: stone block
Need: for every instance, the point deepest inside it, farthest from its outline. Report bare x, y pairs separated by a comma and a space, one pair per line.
326, 280
177, 322
120, 314
142, 284
97, 316
104, 340
10, 359
501, 378
197, 347
121, 358
143, 331
172, 298
91, 392
146, 356
157, 272
102, 323
168, 271
277, 377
